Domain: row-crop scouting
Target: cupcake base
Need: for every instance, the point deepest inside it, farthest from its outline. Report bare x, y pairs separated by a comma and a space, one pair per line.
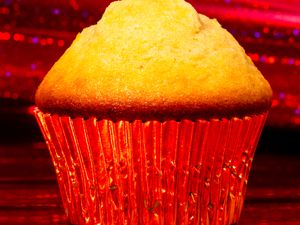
134, 172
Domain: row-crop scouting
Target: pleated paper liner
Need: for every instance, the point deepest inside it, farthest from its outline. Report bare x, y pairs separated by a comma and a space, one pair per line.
187, 172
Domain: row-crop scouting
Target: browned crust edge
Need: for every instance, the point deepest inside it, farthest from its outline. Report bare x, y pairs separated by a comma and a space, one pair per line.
170, 112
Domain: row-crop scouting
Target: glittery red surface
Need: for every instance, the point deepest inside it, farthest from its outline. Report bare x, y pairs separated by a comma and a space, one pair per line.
29, 193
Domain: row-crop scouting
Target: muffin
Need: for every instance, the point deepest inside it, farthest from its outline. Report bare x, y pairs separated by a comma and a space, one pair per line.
152, 116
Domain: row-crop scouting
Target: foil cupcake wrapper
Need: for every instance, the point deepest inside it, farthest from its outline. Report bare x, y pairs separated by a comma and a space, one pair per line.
135, 172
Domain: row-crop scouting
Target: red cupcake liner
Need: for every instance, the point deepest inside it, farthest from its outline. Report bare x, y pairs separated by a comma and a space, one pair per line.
135, 172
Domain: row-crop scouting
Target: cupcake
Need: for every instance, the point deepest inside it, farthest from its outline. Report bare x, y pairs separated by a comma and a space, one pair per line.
152, 116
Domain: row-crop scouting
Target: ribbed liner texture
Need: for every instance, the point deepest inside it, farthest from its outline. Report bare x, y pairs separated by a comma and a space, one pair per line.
187, 172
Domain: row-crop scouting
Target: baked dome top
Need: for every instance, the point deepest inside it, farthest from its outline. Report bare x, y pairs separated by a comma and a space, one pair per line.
154, 59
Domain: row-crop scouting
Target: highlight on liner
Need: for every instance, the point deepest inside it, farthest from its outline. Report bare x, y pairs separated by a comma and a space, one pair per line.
186, 172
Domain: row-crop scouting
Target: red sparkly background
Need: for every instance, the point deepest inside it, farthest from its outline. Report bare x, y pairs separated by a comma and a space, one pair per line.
33, 34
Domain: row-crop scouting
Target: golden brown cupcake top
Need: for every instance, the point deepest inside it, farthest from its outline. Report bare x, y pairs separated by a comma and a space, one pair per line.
154, 59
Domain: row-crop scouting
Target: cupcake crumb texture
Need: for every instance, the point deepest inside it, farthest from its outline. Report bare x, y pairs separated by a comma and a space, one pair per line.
154, 59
